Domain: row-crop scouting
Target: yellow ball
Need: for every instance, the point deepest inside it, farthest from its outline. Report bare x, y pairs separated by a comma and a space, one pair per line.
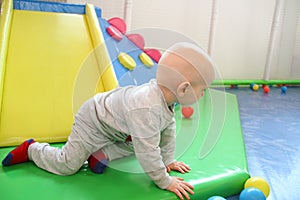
258, 183
255, 87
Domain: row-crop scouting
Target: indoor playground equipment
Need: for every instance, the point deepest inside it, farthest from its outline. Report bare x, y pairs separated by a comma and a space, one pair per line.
54, 56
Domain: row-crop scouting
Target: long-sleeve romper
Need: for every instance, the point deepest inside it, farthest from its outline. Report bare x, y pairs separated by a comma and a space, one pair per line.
105, 121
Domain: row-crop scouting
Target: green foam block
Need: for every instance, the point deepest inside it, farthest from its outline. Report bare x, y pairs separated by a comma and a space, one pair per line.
211, 142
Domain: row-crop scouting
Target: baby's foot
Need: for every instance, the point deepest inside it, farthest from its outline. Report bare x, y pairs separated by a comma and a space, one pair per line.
98, 162
18, 155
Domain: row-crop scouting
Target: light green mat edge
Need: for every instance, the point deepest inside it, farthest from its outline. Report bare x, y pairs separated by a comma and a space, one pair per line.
221, 171
257, 81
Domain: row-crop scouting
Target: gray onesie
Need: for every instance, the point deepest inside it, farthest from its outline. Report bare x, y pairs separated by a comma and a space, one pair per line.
105, 121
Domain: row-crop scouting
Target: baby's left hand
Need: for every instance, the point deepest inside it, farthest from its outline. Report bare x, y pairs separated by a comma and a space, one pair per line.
178, 166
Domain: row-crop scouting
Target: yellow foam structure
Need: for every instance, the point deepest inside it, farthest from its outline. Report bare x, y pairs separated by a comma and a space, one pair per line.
50, 64
105, 66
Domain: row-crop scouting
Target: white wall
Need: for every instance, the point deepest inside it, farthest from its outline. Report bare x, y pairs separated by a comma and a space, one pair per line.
242, 32
110, 8
295, 69
190, 18
242, 38
287, 64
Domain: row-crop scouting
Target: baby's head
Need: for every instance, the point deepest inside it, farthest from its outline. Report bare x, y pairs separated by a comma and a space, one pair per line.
185, 70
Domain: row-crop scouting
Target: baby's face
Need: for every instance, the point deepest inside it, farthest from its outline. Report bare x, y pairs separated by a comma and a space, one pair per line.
197, 86
194, 93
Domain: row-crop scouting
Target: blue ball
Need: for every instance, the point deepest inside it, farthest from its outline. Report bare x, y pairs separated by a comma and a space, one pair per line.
283, 89
252, 194
216, 198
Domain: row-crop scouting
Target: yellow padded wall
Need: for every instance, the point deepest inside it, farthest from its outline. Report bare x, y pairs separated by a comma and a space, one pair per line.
43, 72
5, 25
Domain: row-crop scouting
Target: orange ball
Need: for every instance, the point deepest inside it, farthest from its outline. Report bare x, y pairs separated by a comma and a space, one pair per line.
266, 89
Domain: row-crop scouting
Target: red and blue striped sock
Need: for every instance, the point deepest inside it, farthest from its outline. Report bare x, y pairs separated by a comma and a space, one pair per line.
18, 155
98, 162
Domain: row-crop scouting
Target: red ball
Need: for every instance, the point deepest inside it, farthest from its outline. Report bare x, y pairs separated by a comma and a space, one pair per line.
187, 112
266, 89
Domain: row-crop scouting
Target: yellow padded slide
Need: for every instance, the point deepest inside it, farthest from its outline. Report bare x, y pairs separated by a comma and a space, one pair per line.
46, 76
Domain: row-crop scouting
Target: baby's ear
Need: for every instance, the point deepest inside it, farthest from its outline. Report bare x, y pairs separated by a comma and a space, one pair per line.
183, 88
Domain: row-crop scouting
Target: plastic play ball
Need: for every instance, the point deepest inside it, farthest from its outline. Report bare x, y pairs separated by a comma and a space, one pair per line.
259, 183
187, 112
255, 87
283, 89
252, 194
233, 86
266, 89
216, 198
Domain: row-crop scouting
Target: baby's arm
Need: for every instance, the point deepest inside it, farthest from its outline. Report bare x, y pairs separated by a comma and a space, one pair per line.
167, 145
148, 154
144, 126
147, 151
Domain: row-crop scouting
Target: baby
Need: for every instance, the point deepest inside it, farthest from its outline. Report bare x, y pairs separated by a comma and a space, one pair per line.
132, 119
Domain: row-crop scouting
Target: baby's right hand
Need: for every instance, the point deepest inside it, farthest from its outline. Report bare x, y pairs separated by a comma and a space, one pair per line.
179, 187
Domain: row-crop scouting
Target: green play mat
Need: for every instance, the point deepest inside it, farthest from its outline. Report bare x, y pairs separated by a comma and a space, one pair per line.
211, 142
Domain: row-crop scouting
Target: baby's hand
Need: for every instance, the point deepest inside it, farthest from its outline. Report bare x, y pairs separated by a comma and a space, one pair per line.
179, 187
178, 166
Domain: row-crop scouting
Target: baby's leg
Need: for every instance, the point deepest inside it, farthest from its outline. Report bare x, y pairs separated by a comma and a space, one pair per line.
118, 150
63, 161
82, 142
84, 139
98, 161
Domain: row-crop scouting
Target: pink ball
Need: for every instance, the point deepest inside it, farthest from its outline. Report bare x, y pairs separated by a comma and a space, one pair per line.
187, 112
